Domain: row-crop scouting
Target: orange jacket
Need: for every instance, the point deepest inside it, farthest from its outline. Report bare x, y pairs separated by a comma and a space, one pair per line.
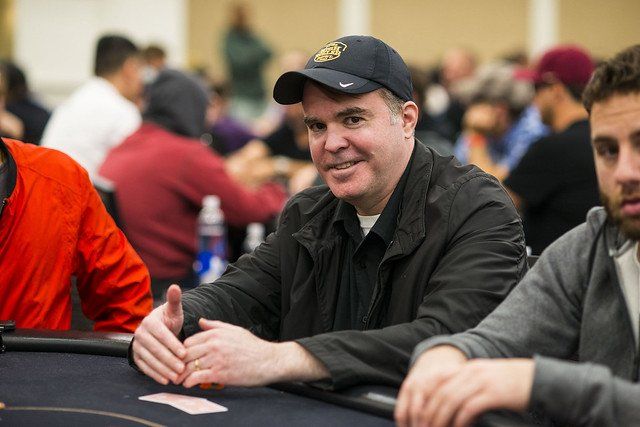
54, 226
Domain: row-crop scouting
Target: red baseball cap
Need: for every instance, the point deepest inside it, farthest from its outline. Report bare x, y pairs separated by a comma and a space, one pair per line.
569, 64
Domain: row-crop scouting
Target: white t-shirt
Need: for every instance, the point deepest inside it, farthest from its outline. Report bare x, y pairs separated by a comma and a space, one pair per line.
628, 269
367, 222
91, 122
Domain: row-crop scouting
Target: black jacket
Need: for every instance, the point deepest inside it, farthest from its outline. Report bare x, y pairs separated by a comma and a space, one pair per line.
457, 251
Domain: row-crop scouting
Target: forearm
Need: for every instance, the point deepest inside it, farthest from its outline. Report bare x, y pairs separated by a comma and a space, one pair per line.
295, 363
583, 394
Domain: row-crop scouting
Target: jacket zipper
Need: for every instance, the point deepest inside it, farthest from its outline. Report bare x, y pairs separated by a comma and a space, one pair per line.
377, 297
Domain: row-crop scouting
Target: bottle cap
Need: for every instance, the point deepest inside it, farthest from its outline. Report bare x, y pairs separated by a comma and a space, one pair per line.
255, 229
211, 201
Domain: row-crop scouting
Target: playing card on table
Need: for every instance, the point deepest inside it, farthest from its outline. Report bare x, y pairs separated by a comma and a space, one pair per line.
189, 404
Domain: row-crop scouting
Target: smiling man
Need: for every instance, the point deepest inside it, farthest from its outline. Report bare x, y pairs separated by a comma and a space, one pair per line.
580, 302
400, 245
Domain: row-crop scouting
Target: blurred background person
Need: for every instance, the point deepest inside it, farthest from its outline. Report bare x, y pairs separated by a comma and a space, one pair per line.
500, 123
444, 109
10, 125
21, 103
425, 131
246, 55
554, 184
271, 119
284, 152
161, 174
227, 134
278, 156
103, 111
155, 60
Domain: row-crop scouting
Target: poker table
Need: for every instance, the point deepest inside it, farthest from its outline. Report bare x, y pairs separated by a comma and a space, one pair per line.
83, 378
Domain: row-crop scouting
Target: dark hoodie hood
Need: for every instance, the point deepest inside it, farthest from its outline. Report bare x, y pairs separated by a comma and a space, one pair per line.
178, 103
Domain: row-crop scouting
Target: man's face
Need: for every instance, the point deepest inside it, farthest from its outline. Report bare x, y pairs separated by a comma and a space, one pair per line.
132, 71
615, 134
544, 101
358, 149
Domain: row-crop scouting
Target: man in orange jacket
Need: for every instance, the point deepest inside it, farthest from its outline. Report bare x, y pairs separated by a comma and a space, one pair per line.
53, 226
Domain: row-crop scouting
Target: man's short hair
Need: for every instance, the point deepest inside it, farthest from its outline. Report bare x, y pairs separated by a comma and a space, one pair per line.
152, 52
16, 87
619, 75
392, 101
111, 53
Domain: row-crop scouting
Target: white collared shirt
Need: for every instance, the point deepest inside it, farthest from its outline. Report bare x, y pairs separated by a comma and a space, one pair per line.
91, 122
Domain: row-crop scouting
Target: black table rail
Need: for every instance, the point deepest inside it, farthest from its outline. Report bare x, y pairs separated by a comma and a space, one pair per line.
375, 400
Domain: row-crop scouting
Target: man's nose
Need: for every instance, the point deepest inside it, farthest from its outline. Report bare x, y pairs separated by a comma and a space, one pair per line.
628, 166
335, 140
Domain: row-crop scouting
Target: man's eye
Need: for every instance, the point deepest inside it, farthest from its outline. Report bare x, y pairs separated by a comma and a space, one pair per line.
316, 127
606, 151
353, 120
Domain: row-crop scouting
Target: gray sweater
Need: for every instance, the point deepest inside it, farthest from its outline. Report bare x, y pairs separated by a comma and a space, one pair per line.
569, 306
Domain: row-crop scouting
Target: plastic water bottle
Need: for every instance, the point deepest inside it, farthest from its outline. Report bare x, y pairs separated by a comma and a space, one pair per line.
212, 241
255, 236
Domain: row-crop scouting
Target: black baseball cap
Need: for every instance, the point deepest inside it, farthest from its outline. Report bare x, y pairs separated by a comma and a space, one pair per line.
351, 64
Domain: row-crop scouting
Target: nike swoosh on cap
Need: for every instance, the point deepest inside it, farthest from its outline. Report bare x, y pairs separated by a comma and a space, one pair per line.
344, 84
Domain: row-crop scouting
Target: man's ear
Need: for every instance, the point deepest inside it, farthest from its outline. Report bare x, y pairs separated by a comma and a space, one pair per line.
409, 118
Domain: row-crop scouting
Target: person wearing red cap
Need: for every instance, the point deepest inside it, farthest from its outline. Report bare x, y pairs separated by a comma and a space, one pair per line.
401, 244
554, 184
571, 327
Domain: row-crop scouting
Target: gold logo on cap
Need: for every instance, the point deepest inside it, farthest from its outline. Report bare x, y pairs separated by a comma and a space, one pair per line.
330, 52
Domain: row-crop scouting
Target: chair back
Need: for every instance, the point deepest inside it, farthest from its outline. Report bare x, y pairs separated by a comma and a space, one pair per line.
107, 191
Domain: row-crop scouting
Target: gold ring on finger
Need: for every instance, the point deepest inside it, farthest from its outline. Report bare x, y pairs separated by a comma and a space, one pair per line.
196, 364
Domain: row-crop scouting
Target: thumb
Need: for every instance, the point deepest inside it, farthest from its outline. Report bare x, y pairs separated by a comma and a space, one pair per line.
206, 324
174, 302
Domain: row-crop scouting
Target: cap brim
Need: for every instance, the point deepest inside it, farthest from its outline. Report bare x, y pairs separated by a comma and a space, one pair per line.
289, 87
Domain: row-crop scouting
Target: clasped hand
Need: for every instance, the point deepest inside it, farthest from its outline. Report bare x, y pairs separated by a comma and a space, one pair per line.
220, 353
443, 388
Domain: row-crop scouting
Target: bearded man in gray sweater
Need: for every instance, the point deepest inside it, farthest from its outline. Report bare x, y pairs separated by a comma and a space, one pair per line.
565, 342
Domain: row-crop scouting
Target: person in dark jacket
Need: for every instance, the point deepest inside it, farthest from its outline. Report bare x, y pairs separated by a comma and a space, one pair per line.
402, 244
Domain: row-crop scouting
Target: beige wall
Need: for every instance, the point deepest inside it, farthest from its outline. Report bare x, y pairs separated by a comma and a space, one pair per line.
419, 29
422, 30
6, 28
283, 24
603, 27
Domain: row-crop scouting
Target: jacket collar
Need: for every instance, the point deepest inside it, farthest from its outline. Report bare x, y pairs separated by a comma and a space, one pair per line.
599, 222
